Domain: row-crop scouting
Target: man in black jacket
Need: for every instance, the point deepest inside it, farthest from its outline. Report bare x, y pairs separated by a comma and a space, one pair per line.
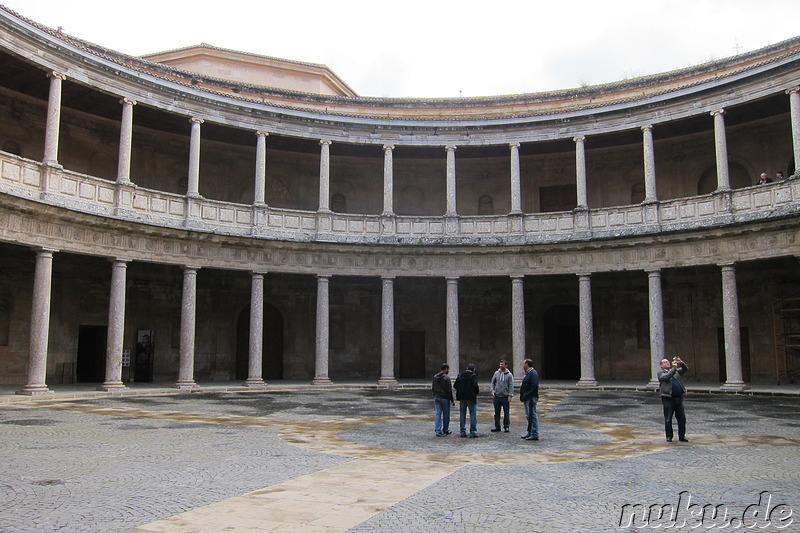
529, 396
467, 394
442, 400
672, 390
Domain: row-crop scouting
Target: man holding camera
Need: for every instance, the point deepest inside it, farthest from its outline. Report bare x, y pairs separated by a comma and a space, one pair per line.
672, 392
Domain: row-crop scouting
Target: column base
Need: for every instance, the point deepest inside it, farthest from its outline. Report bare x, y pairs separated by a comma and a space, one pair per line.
387, 382
586, 383
652, 384
322, 381
255, 383
34, 390
734, 386
111, 386
186, 385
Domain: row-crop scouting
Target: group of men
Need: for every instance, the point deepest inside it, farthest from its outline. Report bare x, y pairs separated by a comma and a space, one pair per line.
671, 389
467, 389
764, 178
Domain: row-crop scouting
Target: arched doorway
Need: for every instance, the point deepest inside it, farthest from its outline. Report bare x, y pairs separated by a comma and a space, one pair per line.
272, 343
561, 346
738, 177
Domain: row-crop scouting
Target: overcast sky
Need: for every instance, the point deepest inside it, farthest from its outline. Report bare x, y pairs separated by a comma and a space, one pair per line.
414, 48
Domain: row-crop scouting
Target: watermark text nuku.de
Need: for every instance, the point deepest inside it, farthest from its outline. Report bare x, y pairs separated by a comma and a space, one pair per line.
685, 514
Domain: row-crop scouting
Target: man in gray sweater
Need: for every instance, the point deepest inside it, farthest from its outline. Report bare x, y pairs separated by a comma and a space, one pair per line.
502, 392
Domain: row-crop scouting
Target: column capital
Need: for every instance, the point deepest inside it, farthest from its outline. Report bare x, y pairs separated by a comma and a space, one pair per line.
718, 112
579, 138
584, 275
653, 271
40, 250
793, 90
517, 277
727, 266
261, 133
255, 273
116, 260
388, 278
190, 268
452, 279
513, 145
324, 276
324, 142
196, 120
55, 74
647, 127
388, 147
451, 148
128, 101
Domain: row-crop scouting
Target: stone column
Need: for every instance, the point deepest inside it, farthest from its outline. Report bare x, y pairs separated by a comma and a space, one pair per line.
188, 315
656, 325
40, 325
261, 168
116, 327
730, 316
193, 189
451, 184
516, 188
721, 146
452, 329
256, 353
53, 125
580, 172
125, 142
325, 176
387, 332
794, 111
323, 331
650, 194
517, 326
388, 179
586, 331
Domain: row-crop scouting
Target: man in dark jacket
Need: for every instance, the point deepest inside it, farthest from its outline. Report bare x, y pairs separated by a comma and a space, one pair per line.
672, 391
467, 394
442, 400
529, 396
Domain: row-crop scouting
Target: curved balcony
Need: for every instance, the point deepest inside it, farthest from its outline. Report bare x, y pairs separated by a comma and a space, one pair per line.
87, 194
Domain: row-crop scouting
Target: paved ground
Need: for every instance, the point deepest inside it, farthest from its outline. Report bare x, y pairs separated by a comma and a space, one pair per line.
366, 460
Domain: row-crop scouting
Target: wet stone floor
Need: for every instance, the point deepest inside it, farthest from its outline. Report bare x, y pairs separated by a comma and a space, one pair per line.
367, 460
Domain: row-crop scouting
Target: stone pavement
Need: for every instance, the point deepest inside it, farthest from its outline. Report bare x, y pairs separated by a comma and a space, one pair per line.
364, 459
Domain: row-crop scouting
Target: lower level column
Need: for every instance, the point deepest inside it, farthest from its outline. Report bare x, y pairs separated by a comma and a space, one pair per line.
323, 331
255, 357
730, 318
452, 327
387, 332
656, 325
40, 325
517, 327
116, 327
586, 331
188, 310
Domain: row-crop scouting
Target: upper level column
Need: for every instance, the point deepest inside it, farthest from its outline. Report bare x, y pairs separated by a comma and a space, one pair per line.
580, 172
451, 184
193, 188
325, 176
586, 330
721, 146
650, 194
516, 194
51, 131
261, 168
451, 326
40, 325
125, 142
388, 179
794, 110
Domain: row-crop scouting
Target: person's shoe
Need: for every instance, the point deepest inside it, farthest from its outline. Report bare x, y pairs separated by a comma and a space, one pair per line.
463, 435
447, 432
475, 435
506, 430
524, 436
669, 439
531, 438
683, 439
495, 430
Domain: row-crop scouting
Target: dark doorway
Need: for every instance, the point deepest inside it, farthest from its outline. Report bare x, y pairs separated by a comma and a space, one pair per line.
561, 346
271, 344
744, 338
91, 365
412, 355
557, 198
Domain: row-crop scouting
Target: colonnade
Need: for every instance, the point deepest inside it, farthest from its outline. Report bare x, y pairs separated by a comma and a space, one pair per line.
193, 188
40, 321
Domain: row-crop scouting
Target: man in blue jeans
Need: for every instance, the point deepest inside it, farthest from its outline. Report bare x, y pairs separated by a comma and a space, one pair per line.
442, 400
502, 391
529, 396
467, 394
